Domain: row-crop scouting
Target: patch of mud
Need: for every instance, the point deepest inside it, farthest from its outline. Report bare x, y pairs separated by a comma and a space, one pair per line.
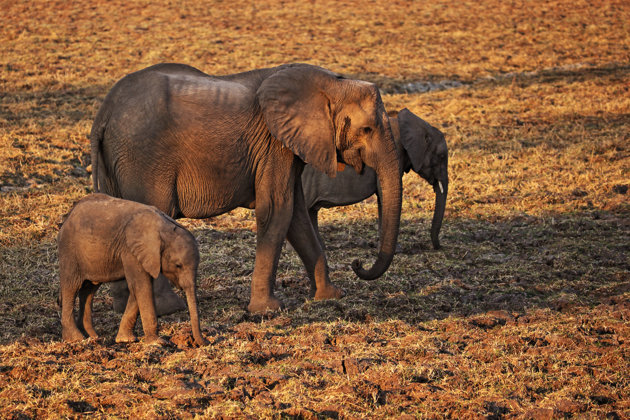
577, 70
426, 86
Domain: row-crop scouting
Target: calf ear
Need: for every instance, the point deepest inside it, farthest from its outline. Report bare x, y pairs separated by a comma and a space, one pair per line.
413, 137
144, 242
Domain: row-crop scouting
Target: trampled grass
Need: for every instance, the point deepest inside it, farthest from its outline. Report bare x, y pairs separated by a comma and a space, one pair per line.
525, 311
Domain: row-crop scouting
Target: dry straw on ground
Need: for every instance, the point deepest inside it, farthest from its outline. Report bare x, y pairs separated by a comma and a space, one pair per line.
524, 313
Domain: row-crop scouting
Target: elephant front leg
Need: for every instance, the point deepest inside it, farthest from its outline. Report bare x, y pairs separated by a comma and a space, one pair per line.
308, 244
273, 215
140, 286
268, 247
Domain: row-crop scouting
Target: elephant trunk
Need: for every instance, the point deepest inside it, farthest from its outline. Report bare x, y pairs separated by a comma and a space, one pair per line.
193, 310
441, 190
388, 174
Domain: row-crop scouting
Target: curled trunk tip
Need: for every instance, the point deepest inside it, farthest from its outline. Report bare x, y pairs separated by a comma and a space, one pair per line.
376, 271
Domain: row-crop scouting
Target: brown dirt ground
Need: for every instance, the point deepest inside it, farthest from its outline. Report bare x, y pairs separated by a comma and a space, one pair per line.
525, 312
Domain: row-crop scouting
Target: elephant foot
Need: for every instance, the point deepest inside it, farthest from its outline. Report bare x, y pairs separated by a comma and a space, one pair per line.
89, 331
201, 342
125, 337
93, 335
155, 341
72, 335
329, 292
270, 303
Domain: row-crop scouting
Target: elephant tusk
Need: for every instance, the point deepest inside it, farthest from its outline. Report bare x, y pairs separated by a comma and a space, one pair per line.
441, 188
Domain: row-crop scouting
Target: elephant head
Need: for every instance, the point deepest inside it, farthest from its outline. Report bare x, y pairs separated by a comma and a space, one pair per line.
425, 152
328, 120
161, 245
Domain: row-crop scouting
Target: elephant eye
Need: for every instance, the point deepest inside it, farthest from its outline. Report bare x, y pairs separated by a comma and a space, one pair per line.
366, 130
179, 265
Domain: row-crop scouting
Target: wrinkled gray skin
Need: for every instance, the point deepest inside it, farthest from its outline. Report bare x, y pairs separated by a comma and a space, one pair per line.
196, 146
421, 147
105, 239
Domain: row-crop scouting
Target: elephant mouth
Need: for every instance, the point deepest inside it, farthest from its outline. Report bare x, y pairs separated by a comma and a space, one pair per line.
352, 158
435, 183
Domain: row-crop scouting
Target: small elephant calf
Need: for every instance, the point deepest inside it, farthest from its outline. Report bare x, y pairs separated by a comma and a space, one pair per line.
104, 239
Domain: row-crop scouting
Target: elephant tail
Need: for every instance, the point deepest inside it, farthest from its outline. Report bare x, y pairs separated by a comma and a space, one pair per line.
96, 138
97, 135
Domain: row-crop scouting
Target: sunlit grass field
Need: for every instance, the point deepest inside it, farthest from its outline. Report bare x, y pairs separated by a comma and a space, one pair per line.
525, 311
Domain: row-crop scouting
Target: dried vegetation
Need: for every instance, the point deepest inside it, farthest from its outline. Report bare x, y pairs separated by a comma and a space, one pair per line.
525, 311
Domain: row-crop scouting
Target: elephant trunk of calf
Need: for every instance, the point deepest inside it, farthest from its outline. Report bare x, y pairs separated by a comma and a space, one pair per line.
391, 184
191, 299
441, 191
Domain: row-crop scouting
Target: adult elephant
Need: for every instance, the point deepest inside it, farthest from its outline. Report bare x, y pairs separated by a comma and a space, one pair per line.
196, 146
421, 148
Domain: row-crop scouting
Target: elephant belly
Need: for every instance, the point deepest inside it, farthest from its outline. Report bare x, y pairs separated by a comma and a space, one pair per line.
346, 188
98, 265
202, 194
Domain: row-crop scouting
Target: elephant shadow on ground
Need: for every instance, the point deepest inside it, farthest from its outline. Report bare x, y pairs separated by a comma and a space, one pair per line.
512, 265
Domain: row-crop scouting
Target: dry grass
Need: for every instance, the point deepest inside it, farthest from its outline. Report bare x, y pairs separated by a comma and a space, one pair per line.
524, 313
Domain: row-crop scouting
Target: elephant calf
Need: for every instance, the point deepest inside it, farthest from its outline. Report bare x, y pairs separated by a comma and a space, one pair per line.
421, 147
105, 239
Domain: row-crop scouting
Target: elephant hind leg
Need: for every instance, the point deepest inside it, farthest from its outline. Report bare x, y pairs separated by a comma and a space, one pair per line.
69, 284
306, 241
86, 298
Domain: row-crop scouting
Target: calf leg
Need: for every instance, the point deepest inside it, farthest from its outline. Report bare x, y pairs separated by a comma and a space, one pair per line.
86, 297
140, 285
128, 321
69, 284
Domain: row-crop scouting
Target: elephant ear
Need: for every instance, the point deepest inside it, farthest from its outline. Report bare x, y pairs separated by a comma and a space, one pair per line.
144, 242
297, 112
413, 137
